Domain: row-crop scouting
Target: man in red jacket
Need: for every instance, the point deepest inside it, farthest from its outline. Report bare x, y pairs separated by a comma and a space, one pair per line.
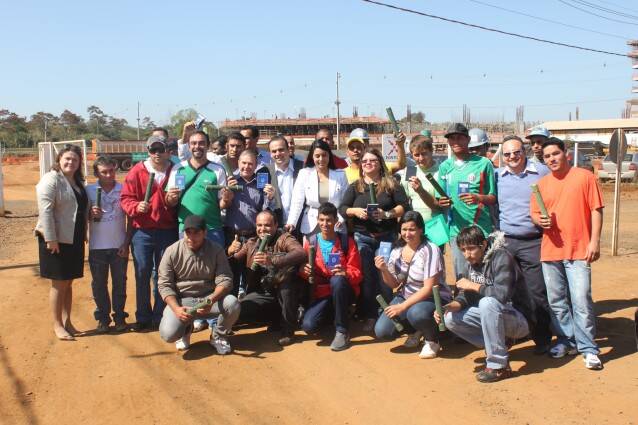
337, 275
154, 223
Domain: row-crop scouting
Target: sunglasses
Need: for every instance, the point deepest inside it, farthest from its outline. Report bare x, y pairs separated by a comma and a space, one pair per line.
152, 150
369, 161
513, 153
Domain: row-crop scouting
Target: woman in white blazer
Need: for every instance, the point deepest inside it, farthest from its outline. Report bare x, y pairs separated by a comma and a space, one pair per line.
61, 230
317, 183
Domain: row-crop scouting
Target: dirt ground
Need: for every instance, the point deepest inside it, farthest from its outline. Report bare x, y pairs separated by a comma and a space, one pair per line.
136, 378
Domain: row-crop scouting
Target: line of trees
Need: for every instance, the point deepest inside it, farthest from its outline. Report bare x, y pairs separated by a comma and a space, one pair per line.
21, 132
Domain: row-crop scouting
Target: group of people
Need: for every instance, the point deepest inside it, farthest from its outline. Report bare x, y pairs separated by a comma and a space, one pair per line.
228, 232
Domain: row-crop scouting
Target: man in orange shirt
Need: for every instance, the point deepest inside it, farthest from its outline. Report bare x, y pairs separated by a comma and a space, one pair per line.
571, 242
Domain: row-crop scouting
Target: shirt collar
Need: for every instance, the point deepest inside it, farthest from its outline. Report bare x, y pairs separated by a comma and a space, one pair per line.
291, 167
530, 168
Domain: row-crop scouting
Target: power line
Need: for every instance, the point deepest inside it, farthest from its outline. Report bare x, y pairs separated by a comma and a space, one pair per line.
617, 5
454, 21
595, 14
605, 9
548, 20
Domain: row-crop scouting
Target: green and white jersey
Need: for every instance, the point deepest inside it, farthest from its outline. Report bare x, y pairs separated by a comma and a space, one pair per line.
476, 175
417, 203
196, 200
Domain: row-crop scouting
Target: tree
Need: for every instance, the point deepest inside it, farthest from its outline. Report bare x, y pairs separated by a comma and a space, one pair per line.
73, 124
13, 129
179, 119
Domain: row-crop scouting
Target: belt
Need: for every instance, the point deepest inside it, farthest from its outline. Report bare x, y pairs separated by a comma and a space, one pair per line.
524, 238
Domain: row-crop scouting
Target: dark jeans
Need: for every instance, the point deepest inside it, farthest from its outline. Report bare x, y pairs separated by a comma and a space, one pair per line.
527, 253
336, 305
278, 305
100, 261
419, 316
237, 267
148, 246
372, 285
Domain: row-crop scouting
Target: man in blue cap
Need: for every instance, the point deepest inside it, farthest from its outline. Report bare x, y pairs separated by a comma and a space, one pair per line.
537, 136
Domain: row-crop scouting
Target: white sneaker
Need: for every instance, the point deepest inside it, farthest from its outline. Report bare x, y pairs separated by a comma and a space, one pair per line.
592, 361
368, 326
413, 340
220, 344
184, 342
199, 325
561, 350
430, 349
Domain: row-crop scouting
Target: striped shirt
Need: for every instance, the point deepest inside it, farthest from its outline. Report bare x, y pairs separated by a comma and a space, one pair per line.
427, 262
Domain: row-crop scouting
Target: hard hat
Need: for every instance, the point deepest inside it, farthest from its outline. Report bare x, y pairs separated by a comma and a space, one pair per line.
359, 135
426, 133
538, 131
478, 137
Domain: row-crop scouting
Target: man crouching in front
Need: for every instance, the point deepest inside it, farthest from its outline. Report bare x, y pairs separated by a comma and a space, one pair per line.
494, 306
194, 271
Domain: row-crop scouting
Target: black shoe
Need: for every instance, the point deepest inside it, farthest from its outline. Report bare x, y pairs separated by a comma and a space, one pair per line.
541, 349
493, 375
286, 339
141, 327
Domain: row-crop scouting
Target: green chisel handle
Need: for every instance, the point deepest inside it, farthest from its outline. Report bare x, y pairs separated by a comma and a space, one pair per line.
539, 200
203, 303
98, 200
439, 307
210, 187
397, 325
436, 185
262, 246
226, 165
149, 187
393, 121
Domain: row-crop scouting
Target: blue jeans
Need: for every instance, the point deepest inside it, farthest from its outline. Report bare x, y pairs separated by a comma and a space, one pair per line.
337, 304
458, 260
148, 246
227, 310
488, 325
100, 261
575, 322
419, 316
372, 284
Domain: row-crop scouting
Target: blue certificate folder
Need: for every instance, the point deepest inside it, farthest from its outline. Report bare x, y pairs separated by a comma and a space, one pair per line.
334, 259
384, 250
180, 181
262, 180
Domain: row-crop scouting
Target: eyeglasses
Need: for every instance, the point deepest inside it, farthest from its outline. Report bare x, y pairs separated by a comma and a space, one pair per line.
513, 153
152, 150
369, 161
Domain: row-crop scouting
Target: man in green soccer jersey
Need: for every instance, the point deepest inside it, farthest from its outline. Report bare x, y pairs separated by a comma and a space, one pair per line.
469, 183
197, 173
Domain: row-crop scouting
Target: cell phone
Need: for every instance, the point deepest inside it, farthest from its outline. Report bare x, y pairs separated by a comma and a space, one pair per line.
199, 121
262, 180
371, 209
334, 259
180, 181
464, 187
384, 250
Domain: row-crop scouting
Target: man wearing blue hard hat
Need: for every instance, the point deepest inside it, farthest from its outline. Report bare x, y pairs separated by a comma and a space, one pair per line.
537, 136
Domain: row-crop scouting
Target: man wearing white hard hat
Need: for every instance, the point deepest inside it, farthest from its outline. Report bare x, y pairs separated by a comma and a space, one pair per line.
537, 136
357, 143
479, 142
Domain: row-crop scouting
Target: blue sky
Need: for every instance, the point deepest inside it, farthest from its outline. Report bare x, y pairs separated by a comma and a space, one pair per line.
273, 57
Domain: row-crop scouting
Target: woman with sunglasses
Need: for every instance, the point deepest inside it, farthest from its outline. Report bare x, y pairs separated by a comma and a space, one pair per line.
373, 222
61, 230
413, 268
317, 183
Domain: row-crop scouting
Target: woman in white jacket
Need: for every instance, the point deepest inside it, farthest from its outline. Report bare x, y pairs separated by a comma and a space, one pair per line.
317, 183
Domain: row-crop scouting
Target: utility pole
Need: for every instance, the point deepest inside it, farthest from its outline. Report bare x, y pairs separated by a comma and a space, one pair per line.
409, 117
138, 120
337, 102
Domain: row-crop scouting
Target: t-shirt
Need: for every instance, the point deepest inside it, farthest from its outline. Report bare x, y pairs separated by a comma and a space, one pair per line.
197, 200
325, 247
427, 262
110, 231
477, 174
159, 175
417, 203
570, 199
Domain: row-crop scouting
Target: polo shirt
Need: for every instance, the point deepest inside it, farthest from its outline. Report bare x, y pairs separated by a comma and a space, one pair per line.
417, 203
514, 191
247, 203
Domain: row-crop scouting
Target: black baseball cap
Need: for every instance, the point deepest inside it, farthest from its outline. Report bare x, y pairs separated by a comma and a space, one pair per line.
194, 222
457, 128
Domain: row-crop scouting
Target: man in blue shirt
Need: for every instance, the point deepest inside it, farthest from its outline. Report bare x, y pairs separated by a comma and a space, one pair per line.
522, 236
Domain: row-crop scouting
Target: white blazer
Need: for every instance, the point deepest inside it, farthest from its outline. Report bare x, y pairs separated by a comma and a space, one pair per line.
56, 208
306, 191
